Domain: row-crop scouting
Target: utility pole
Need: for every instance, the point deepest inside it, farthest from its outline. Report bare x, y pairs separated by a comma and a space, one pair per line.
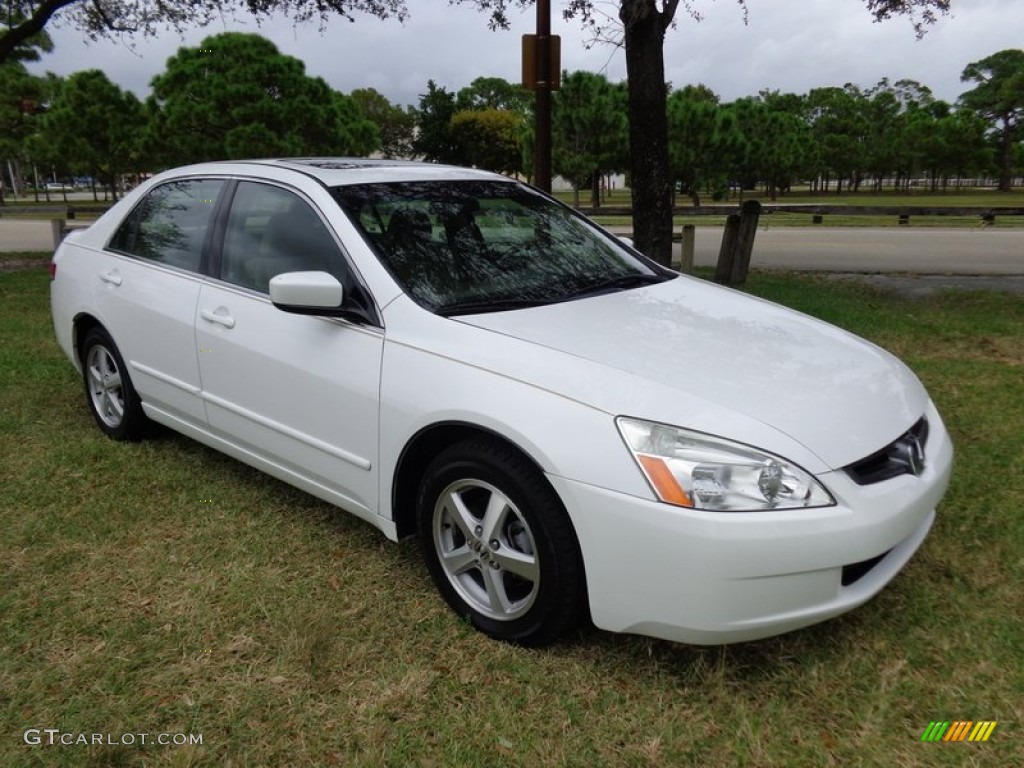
542, 103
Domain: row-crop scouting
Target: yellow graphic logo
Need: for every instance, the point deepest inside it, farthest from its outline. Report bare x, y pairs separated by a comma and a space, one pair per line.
958, 730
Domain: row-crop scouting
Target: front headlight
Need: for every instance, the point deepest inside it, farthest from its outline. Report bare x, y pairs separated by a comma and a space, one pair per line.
695, 470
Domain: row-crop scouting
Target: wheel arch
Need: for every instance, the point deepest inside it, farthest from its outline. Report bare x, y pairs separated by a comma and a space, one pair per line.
80, 327
416, 456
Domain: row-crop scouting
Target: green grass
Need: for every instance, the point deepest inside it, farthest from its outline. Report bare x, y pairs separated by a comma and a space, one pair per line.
161, 587
42, 257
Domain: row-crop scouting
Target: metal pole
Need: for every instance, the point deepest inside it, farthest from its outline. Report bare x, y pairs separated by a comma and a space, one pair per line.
542, 103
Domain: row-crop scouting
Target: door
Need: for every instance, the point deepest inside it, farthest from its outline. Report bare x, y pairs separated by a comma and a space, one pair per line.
297, 391
150, 289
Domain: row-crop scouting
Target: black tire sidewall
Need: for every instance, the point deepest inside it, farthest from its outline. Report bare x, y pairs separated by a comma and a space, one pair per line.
556, 606
133, 419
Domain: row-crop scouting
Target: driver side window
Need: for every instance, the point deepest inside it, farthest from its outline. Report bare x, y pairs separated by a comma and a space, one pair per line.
271, 230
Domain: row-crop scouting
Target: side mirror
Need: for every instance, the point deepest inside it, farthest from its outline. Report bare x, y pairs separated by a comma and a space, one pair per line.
307, 293
627, 240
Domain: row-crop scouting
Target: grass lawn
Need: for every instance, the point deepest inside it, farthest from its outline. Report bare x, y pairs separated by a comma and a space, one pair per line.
42, 257
162, 588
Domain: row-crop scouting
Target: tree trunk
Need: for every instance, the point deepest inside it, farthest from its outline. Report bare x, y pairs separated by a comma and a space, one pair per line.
648, 128
1006, 157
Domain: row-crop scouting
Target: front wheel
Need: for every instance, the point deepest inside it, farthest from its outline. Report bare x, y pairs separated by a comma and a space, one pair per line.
108, 390
499, 544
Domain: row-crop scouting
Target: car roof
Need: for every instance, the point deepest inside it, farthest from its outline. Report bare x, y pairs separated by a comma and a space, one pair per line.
339, 171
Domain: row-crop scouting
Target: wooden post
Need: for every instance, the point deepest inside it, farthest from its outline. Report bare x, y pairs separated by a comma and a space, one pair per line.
689, 243
726, 254
750, 213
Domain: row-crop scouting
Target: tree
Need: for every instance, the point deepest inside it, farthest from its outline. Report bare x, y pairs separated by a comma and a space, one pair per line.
489, 138
20, 105
888, 128
774, 140
702, 138
396, 127
999, 98
494, 93
94, 126
840, 126
28, 48
26, 19
589, 129
489, 125
237, 96
434, 140
644, 24
959, 146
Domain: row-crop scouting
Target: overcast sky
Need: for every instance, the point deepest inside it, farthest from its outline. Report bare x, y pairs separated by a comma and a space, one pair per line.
786, 45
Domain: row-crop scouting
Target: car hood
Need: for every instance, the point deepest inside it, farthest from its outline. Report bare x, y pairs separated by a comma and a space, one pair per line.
839, 396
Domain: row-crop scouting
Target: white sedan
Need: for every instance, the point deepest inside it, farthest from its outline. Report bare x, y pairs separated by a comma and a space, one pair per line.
572, 431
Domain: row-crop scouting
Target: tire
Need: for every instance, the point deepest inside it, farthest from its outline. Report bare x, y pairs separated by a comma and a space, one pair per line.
108, 390
499, 545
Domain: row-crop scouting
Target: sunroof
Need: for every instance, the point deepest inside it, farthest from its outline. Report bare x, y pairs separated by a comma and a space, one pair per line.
338, 164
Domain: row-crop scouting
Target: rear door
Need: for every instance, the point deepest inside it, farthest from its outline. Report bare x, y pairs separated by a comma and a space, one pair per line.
298, 392
149, 289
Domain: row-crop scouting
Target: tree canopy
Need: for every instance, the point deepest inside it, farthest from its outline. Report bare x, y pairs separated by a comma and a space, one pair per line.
26, 19
396, 127
94, 126
236, 95
999, 97
589, 130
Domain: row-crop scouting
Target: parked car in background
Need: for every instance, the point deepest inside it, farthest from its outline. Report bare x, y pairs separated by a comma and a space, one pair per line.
571, 430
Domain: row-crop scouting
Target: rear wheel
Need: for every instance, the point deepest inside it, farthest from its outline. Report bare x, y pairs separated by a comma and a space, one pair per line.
108, 389
499, 544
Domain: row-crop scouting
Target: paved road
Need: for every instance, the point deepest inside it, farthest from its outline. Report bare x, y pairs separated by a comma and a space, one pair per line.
25, 235
832, 249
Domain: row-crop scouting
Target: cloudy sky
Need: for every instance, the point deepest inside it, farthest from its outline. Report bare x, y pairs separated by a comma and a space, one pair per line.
788, 45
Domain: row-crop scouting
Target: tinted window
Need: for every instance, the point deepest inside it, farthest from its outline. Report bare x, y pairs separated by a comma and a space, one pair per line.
271, 230
169, 225
462, 246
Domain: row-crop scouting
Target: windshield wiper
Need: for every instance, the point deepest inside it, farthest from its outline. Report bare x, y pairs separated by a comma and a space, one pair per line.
620, 283
479, 306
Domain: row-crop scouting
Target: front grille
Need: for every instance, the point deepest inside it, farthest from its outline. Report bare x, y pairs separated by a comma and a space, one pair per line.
855, 571
903, 456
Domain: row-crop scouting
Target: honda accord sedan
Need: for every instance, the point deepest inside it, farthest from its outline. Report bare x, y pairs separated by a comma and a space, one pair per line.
573, 432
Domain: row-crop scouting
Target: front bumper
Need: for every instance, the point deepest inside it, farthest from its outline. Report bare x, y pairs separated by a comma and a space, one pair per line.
710, 578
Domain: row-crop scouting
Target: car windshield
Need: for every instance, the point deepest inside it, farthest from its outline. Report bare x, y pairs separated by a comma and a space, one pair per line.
462, 247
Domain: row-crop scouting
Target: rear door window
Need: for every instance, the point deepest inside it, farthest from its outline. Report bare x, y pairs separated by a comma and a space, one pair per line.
169, 225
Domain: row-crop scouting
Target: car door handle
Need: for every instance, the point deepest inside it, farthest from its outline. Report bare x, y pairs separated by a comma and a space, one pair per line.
113, 277
219, 315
